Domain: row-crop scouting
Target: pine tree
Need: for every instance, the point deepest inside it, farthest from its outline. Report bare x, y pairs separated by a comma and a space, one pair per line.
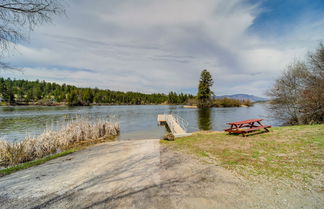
204, 91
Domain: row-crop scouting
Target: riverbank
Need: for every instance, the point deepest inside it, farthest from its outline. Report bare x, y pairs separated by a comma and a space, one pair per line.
58, 104
67, 105
292, 152
73, 136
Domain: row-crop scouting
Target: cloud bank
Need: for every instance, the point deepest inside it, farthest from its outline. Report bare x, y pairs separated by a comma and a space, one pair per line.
159, 46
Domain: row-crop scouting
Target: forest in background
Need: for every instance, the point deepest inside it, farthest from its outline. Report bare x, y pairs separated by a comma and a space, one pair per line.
20, 92
23, 92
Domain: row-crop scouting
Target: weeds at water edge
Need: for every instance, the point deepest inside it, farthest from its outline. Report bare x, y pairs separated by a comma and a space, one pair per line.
54, 142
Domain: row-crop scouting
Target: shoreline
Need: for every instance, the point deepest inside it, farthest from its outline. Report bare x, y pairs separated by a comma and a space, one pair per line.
66, 105
72, 136
75, 148
107, 104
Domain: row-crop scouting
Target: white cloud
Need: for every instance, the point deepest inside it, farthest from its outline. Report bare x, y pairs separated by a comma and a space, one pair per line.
158, 46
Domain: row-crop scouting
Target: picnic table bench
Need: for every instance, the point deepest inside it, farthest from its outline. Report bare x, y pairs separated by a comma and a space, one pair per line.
246, 126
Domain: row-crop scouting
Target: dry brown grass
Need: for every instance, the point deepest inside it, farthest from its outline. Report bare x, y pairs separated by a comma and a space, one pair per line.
295, 152
51, 142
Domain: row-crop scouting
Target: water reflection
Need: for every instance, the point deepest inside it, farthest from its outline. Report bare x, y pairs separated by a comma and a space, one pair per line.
204, 119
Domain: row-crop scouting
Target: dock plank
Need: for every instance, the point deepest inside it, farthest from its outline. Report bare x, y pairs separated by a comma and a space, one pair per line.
173, 125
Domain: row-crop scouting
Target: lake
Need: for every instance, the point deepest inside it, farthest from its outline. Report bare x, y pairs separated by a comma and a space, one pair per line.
136, 121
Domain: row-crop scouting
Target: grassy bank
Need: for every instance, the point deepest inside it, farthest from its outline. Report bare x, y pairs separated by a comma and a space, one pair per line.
74, 135
294, 152
26, 165
76, 147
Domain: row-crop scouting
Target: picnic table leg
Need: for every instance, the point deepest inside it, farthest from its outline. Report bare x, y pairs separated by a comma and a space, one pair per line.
238, 127
262, 125
231, 128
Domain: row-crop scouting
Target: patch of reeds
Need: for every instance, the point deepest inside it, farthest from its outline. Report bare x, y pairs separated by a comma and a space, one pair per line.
50, 142
229, 102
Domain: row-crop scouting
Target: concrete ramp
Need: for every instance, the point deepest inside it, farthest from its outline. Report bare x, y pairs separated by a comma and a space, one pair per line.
175, 124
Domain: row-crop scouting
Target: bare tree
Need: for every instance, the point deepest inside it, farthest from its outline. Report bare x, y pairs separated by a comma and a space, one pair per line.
313, 96
17, 17
316, 60
286, 92
298, 95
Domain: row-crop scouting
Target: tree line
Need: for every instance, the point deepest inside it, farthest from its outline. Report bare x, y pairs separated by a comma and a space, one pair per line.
47, 93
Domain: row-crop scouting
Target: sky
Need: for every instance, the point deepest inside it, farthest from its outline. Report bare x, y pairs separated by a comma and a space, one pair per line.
161, 46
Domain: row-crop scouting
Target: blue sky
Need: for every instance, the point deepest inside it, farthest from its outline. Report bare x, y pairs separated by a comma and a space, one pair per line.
278, 17
161, 46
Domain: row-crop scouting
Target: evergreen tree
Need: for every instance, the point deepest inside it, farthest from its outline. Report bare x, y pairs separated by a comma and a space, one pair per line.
24, 92
204, 91
173, 98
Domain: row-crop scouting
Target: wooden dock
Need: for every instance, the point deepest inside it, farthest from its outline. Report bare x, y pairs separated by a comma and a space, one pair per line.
174, 124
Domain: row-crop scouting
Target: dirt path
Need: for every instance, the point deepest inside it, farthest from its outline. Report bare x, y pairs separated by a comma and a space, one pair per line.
141, 174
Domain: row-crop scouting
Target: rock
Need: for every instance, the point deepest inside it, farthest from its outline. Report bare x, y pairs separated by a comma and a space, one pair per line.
169, 137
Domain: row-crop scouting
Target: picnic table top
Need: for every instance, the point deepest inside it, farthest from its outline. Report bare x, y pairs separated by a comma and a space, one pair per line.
244, 121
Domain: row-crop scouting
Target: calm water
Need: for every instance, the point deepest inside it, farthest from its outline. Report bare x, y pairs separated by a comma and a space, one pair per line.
136, 121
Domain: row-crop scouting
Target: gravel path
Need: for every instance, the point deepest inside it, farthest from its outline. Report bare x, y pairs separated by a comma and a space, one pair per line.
142, 174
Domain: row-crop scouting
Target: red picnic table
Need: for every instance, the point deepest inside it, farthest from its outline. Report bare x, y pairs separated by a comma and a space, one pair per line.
246, 126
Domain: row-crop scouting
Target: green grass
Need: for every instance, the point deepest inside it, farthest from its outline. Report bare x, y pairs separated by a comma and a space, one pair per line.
29, 164
295, 152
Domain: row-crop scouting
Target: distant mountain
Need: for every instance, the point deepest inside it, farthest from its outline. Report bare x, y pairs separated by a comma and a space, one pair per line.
243, 96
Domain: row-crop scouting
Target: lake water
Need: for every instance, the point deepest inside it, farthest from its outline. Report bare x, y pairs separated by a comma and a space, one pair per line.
136, 121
